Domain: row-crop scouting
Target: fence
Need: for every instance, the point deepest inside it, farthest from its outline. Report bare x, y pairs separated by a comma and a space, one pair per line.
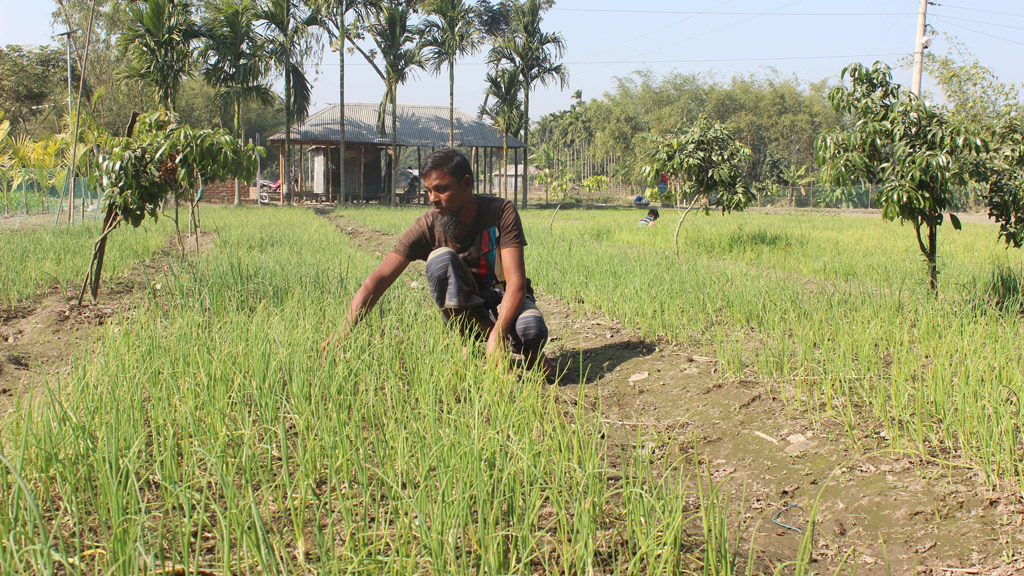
38, 192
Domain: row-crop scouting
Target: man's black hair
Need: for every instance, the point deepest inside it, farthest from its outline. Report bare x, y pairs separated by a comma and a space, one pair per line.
451, 160
653, 212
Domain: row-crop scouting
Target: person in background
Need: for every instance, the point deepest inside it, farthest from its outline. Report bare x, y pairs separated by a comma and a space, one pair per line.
652, 216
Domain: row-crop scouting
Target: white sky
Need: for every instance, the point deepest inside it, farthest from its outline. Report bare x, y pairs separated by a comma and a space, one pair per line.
813, 39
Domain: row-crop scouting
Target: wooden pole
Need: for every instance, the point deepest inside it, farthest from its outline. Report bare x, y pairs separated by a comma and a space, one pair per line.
284, 177
359, 175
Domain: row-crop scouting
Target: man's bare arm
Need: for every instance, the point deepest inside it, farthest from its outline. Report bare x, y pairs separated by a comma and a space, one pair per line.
368, 294
512, 302
375, 285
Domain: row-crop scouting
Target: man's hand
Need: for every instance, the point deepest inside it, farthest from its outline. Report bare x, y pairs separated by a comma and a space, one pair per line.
497, 347
366, 297
333, 342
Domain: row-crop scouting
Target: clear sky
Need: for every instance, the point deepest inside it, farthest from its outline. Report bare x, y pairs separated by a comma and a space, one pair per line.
812, 39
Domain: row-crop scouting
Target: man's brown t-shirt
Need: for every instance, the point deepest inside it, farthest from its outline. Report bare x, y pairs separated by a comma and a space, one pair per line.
496, 226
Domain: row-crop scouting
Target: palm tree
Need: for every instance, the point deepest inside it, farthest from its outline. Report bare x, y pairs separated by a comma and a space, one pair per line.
398, 44
533, 54
506, 111
448, 33
285, 23
330, 16
235, 65
158, 45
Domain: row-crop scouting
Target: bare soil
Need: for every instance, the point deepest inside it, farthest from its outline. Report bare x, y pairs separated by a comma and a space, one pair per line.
898, 512
38, 341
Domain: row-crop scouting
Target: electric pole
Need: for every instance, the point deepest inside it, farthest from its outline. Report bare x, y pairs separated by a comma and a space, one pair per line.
69, 184
919, 46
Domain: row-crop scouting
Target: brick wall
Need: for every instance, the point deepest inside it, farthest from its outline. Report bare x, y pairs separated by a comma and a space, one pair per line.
218, 192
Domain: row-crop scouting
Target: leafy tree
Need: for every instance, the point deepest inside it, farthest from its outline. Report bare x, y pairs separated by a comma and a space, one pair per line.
286, 24
32, 85
544, 159
704, 164
235, 66
162, 160
493, 20
916, 154
971, 91
397, 43
448, 32
505, 113
158, 46
533, 54
1005, 194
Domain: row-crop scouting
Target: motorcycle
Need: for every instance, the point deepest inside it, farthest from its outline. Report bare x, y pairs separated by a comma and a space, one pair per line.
265, 188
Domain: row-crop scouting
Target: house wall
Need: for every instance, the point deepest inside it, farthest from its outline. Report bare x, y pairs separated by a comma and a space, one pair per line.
223, 192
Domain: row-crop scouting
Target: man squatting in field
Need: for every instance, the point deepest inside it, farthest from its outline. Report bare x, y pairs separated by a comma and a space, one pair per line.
473, 246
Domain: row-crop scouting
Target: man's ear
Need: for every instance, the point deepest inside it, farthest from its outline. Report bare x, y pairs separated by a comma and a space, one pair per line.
467, 182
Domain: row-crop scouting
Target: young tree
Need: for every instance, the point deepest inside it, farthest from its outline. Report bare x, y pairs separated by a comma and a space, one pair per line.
398, 45
895, 140
533, 54
449, 32
157, 159
705, 165
235, 66
158, 46
289, 42
1005, 195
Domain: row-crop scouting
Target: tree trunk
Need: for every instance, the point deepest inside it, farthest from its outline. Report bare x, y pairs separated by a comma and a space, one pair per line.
110, 221
238, 132
451, 103
286, 163
515, 176
394, 144
933, 273
526, 136
341, 105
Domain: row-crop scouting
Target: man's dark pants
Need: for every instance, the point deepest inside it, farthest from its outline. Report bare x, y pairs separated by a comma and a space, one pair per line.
456, 295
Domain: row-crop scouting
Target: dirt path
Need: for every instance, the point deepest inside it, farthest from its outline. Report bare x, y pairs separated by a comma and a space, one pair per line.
900, 514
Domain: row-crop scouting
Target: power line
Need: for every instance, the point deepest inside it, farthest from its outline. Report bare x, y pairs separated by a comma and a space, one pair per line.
962, 27
955, 7
703, 13
984, 22
688, 61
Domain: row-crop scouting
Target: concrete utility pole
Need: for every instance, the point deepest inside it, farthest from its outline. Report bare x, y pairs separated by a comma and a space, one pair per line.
67, 38
919, 46
69, 184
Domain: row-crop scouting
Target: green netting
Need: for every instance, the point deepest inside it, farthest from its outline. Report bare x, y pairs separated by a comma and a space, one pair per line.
42, 191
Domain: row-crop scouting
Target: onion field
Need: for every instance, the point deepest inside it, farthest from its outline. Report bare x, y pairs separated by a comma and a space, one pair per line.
206, 433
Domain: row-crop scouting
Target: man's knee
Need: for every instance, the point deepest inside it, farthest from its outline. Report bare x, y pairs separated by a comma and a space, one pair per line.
531, 328
440, 261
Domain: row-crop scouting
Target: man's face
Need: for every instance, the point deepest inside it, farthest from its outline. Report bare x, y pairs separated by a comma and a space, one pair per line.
447, 193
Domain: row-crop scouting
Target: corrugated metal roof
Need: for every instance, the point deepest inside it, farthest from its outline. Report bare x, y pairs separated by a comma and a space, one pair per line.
417, 126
